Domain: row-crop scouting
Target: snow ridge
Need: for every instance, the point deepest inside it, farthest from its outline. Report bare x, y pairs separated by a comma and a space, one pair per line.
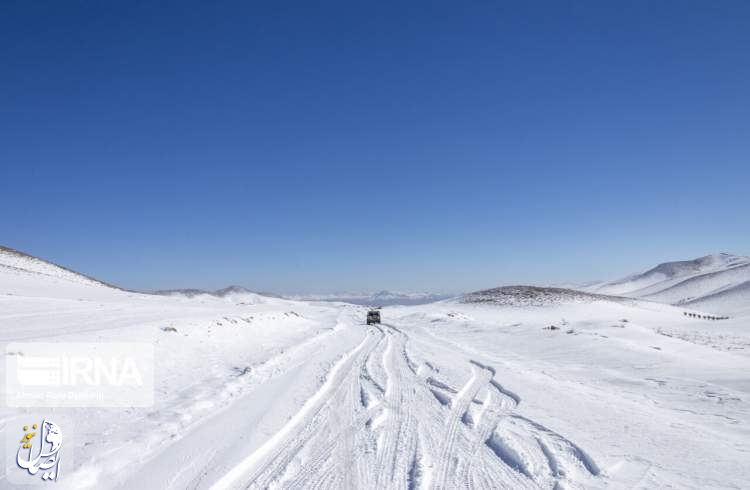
718, 276
19, 263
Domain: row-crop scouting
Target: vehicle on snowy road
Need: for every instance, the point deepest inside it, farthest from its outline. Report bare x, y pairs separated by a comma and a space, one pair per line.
373, 316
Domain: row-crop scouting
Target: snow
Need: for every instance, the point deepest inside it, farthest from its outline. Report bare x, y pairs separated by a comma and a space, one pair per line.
475, 392
721, 277
24, 274
734, 298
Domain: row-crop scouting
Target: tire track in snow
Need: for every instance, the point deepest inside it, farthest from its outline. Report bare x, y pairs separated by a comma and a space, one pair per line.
371, 402
397, 441
539, 454
249, 469
448, 460
373, 370
408, 430
355, 433
305, 477
343, 444
562, 462
496, 403
334, 439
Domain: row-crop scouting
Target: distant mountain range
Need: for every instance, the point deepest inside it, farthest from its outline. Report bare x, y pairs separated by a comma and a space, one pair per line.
219, 293
380, 298
717, 283
25, 272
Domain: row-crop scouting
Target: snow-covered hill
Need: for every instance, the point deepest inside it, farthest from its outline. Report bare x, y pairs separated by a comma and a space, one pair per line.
735, 299
14, 262
478, 392
691, 282
534, 296
23, 274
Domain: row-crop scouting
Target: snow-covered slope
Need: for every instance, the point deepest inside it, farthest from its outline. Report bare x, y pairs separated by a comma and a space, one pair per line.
718, 276
15, 262
22, 274
477, 392
735, 299
699, 286
209, 353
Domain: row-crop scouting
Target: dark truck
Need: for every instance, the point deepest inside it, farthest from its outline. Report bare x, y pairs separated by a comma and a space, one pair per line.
373, 316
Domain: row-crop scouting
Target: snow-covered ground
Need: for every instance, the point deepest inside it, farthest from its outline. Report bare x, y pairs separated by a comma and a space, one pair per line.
509, 388
717, 282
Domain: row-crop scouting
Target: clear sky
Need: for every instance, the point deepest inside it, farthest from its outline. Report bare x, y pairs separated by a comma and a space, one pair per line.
445, 146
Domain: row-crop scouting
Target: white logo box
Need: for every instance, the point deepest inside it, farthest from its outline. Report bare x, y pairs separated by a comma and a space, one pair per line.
79, 374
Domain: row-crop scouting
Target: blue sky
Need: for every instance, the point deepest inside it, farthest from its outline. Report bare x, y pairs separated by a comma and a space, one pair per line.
358, 146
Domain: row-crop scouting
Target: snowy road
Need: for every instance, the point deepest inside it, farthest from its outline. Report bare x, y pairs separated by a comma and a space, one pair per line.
386, 416
405, 408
